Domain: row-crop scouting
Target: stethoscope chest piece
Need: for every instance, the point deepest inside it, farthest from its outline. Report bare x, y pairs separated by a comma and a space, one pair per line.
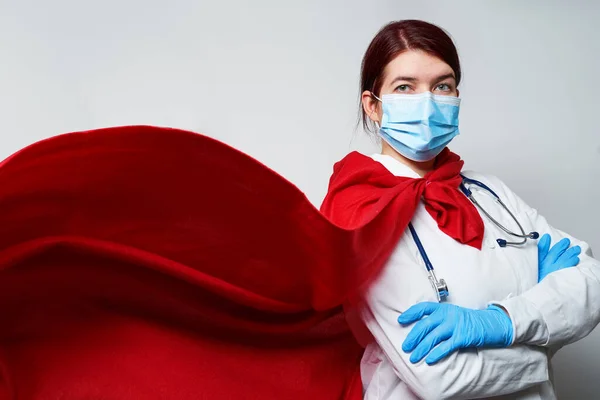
440, 288
522, 236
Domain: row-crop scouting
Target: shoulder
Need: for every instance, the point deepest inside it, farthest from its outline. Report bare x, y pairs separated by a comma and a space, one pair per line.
351, 189
488, 179
509, 197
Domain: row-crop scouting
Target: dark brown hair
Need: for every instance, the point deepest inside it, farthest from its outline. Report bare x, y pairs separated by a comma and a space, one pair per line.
395, 38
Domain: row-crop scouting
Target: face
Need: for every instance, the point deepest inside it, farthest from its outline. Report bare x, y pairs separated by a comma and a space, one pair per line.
412, 72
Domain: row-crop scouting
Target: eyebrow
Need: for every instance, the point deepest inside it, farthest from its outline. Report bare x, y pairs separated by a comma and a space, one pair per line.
412, 79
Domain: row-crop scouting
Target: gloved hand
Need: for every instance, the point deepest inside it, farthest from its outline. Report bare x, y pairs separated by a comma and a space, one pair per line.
558, 257
452, 328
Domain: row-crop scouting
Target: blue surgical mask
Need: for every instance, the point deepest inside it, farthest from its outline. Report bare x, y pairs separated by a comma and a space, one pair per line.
419, 126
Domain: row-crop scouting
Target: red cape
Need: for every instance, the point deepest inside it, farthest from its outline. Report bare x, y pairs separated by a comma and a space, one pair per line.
150, 263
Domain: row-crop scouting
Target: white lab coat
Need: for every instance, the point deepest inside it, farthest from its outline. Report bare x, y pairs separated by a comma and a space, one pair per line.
561, 309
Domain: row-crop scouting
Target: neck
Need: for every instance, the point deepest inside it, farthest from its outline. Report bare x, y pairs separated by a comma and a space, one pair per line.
421, 168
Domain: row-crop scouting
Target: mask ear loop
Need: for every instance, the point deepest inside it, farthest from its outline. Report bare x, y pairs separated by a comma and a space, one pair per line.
373, 94
381, 101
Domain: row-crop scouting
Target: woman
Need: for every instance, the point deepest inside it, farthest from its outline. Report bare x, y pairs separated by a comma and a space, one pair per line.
152, 263
505, 310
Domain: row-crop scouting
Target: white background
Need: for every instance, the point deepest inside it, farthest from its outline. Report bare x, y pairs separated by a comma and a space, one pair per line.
279, 80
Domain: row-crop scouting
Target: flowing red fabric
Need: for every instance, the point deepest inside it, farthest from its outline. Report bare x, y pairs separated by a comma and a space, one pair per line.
152, 263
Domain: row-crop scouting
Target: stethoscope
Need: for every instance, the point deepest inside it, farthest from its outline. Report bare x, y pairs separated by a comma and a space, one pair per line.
439, 285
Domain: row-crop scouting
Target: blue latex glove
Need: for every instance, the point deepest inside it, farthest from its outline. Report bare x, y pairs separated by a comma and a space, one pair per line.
452, 328
558, 257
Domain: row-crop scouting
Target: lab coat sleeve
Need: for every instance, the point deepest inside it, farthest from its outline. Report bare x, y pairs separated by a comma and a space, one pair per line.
565, 306
467, 374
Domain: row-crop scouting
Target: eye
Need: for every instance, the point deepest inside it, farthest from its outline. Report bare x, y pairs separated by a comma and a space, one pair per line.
402, 88
443, 87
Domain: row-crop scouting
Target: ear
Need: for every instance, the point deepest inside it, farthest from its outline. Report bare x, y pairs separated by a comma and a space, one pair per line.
371, 106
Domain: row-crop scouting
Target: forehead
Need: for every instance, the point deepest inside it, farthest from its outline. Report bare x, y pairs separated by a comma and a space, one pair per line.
416, 64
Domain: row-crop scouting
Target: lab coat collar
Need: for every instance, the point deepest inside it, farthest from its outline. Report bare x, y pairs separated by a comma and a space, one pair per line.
394, 166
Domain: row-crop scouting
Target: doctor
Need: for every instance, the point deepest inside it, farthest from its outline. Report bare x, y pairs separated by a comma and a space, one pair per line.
512, 301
